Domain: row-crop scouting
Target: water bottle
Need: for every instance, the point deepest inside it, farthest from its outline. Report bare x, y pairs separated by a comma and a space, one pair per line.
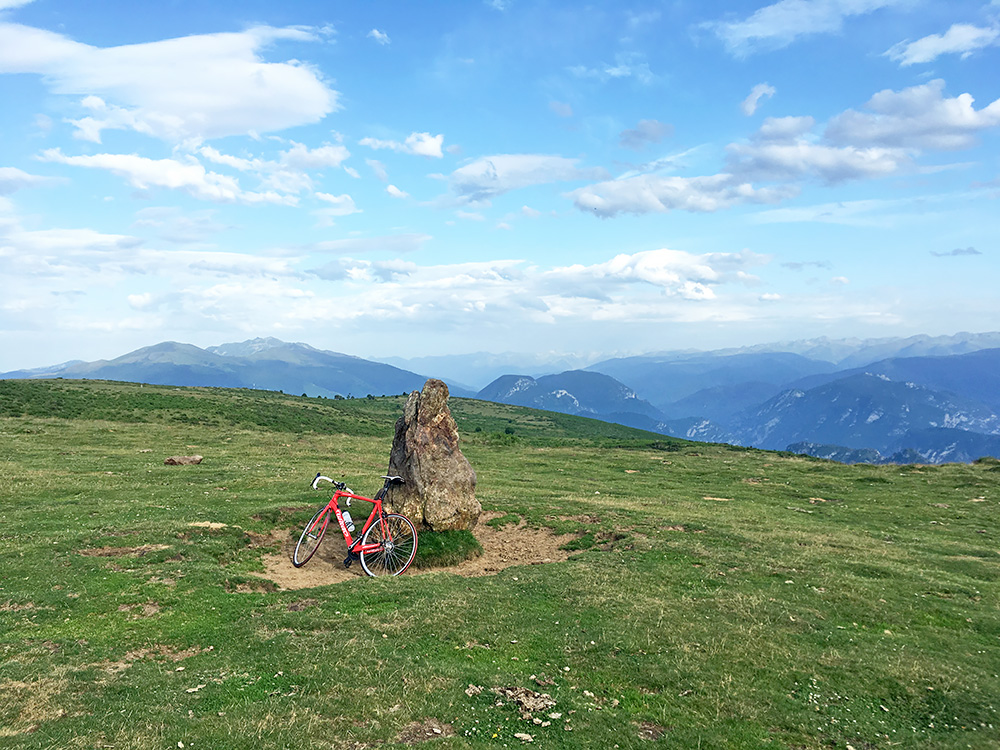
348, 521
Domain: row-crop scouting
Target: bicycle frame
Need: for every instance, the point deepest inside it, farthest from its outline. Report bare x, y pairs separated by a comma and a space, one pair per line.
354, 545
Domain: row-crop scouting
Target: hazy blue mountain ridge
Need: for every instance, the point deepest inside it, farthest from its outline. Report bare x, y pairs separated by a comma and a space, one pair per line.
859, 411
479, 369
938, 407
856, 352
975, 375
571, 392
663, 382
720, 403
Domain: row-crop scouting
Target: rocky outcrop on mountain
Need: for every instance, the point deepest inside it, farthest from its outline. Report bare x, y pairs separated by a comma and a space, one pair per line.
439, 490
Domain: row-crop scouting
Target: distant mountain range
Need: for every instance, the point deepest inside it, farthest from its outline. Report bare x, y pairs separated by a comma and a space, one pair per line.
930, 399
932, 408
266, 364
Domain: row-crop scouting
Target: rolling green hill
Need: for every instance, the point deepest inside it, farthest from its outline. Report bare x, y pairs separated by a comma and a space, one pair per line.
717, 596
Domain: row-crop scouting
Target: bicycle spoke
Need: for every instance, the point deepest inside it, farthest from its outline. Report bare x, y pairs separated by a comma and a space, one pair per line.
397, 546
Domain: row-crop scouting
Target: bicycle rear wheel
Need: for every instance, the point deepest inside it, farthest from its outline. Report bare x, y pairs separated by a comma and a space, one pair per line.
312, 535
397, 540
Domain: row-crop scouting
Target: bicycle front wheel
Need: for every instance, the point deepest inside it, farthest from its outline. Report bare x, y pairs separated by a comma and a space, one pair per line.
396, 538
312, 535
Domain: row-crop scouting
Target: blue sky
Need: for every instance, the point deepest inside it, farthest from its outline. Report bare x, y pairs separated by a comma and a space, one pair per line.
404, 179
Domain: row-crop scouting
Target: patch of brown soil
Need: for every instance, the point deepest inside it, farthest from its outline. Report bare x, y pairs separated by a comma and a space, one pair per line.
121, 551
650, 731
167, 652
421, 731
138, 611
245, 587
267, 540
503, 547
35, 702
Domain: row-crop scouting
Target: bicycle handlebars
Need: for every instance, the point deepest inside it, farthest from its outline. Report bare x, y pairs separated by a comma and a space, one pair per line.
339, 485
389, 480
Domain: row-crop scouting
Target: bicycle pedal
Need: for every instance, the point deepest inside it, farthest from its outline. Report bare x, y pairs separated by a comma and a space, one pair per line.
348, 560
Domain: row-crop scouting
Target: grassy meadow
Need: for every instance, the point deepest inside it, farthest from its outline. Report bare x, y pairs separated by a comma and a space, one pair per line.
717, 597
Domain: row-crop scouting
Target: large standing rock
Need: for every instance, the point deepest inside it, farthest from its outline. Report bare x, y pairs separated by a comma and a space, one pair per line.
440, 488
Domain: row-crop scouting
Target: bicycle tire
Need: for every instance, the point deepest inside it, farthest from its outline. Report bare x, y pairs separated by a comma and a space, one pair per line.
396, 552
312, 535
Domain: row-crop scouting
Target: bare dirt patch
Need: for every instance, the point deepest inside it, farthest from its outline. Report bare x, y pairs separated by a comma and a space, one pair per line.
421, 731
34, 703
650, 731
138, 611
503, 547
209, 524
156, 653
121, 551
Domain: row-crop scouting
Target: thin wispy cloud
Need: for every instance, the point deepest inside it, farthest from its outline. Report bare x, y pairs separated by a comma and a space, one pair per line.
646, 133
491, 176
961, 39
12, 178
187, 175
760, 91
959, 251
420, 144
780, 24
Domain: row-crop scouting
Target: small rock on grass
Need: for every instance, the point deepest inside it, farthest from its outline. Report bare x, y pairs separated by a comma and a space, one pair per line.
182, 460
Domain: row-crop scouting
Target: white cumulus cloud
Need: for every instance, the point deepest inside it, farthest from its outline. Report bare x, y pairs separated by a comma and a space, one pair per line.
791, 160
917, 117
647, 193
290, 171
672, 270
342, 205
194, 87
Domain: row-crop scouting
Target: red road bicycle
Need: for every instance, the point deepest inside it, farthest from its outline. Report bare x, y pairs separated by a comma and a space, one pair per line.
386, 544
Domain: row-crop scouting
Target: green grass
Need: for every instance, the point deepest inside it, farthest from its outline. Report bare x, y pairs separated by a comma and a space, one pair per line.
438, 549
721, 597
